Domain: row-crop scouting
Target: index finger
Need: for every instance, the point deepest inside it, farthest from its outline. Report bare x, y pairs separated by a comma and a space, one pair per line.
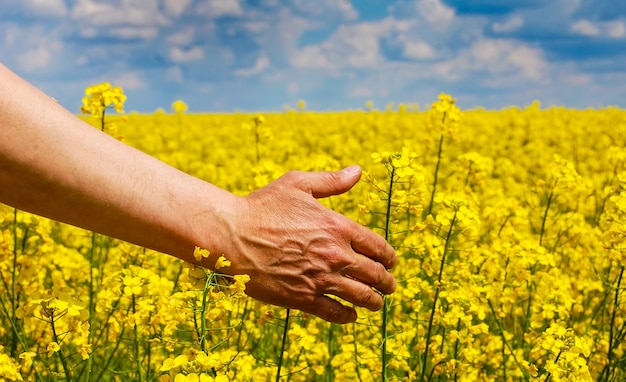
372, 245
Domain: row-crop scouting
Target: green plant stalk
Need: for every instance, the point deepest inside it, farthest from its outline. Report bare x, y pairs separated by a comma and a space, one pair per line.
136, 343
434, 309
244, 316
68, 376
612, 326
506, 342
203, 310
282, 347
385, 313
94, 344
503, 358
148, 353
19, 338
549, 375
257, 139
92, 302
329, 368
456, 347
104, 110
527, 314
432, 195
108, 361
15, 335
545, 214
356, 352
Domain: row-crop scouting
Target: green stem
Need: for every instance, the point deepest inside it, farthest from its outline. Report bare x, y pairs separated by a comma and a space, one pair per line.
555, 361
203, 306
55, 337
282, 347
13, 282
545, 214
136, 334
612, 326
434, 309
356, 352
385, 301
506, 342
329, 368
92, 300
456, 347
256, 141
104, 110
113, 352
432, 195
19, 338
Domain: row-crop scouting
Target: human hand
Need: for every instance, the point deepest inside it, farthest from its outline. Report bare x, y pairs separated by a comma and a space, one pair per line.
296, 251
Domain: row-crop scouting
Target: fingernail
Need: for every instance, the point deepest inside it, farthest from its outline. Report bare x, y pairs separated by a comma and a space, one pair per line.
352, 170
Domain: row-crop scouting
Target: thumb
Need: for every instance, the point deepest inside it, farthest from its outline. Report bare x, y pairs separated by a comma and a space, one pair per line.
329, 183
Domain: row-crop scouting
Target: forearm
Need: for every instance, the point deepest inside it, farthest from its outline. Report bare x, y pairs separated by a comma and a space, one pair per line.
55, 165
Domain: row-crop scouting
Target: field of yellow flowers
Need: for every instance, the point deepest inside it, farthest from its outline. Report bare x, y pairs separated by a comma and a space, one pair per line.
510, 227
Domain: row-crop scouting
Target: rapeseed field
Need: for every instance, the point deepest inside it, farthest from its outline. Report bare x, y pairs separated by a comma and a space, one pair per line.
510, 228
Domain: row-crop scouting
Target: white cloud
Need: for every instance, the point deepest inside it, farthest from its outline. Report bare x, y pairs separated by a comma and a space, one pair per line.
257, 26
219, 8
39, 57
178, 54
47, 8
615, 29
182, 37
354, 46
129, 81
33, 10
585, 28
502, 61
327, 9
130, 32
612, 29
95, 13
418, 50
175, 8
260, 65
511, 25
436, 13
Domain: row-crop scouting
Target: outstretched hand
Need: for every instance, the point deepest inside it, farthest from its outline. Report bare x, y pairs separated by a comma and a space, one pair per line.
296, 251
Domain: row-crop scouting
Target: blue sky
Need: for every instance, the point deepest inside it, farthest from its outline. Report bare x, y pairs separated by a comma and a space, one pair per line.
259, 55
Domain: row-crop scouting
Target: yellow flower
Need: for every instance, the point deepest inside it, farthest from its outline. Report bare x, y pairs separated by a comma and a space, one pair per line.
84, 351
28, 358
201, 253
222, 263
179, 106
240, 283
133, 285
52, 348
99, 97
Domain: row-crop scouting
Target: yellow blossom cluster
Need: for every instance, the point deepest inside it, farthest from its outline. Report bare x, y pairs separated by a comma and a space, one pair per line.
510, 227
101, 96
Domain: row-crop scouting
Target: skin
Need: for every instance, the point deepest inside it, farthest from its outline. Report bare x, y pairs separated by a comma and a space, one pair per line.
296, 251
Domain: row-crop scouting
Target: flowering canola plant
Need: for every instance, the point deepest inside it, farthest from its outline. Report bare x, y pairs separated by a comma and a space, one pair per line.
510, 227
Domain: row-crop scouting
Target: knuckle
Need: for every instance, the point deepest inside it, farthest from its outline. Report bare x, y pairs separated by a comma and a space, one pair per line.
367, 298
379, 275
334, 223
336, 259
293, 176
